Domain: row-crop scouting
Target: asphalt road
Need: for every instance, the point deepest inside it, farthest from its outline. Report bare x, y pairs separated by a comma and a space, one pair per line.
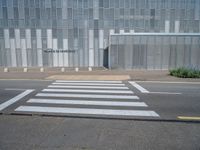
135, 115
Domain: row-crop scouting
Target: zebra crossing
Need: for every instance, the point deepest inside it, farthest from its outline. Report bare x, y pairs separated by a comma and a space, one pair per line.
87, 98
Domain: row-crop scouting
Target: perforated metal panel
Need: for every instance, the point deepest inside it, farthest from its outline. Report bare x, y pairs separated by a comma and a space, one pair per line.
84, 26
154, 51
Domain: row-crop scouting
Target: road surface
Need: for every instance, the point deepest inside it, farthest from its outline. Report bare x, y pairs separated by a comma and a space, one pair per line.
39, 114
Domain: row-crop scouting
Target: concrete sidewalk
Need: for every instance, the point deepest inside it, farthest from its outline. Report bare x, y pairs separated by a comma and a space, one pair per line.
102, 74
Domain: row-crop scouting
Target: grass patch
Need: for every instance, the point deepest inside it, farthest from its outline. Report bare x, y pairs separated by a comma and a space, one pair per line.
185, 73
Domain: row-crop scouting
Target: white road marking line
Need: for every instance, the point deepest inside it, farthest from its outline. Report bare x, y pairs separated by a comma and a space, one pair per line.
16, 89
45, 80
88, 81
87, 96
169, 82
165, 93
101, 84
88, 91
87, 111
83, 102
140, 88
88, 87
14, 99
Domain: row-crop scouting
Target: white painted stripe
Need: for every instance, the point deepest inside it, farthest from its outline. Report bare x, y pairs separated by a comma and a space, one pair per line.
15, 99
89, 91
140, 88
82, 102
88, 111
88, 96
105, 84
16, 89
169, 82
170, 93
88, 81
88, 87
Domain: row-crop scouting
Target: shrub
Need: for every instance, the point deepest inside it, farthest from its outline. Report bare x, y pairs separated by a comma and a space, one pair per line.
185, 72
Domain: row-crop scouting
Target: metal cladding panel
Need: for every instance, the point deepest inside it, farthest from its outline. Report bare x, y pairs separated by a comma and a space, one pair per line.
180, 51
88, 24
49, 38
39, 47
150, 52
7, 38
39, 38
76, 54
17, 38
144, 49
55, 54
71, 55
34, 58
2, 53
28, 38
96, 49
91, 48
91, 39
158, 52
128, 52
165, 53
167, 26
173, 53
112, 61
101, 53
60, 59
177, 26
24, 53
66, 55
39, 58
195, 52
154, 52
187, 51
18, 57
101, 39
13, 53
81, 60
86, 53
1, 13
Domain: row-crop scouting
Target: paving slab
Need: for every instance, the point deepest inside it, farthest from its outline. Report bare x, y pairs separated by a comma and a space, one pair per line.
89, 77
136, 75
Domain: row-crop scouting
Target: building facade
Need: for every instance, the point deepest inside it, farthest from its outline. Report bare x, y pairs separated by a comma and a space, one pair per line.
160, 51
74, 33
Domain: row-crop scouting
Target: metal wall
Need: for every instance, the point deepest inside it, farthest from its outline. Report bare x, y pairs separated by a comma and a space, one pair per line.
154, 51
82, 27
